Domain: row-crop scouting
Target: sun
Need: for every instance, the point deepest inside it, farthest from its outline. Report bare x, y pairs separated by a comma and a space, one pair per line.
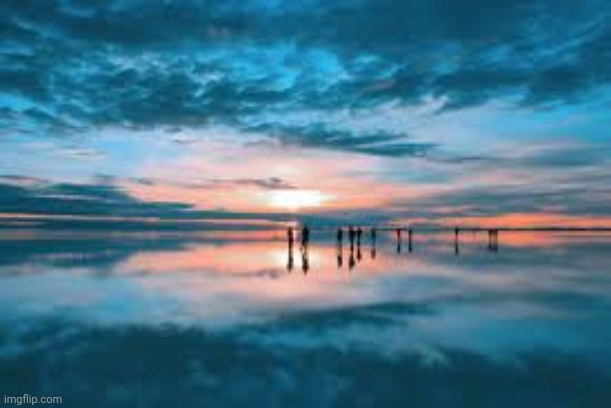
295, 200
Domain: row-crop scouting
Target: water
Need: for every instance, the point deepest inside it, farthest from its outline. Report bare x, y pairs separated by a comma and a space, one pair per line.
219, 320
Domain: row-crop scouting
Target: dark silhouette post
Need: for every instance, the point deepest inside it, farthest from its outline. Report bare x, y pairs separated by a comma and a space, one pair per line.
351, 237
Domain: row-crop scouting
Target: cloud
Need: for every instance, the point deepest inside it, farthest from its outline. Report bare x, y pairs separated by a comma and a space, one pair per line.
317, 86
44, 197
105, 204
82, 64
271, 183
82, 153
537, 202
319, 135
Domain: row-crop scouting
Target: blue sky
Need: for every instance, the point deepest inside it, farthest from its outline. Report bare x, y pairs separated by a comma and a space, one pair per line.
375, 110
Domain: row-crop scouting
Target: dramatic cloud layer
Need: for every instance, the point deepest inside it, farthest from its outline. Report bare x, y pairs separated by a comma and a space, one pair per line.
394, 104
79, 64
28, 202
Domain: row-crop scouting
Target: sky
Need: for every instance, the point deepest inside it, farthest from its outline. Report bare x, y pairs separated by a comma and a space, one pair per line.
258, 112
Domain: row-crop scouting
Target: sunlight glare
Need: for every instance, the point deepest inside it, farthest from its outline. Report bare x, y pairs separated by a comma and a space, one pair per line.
296, 199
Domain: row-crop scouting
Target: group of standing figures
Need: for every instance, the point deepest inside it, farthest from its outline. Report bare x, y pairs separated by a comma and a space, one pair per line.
355, 236
305, 242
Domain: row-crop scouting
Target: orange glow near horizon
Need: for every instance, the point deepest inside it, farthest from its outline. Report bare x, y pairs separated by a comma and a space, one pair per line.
531, 220
269, 179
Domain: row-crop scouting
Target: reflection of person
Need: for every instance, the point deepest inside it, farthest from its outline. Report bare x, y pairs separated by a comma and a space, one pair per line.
351, 260
305, 262
493, 240
291, 263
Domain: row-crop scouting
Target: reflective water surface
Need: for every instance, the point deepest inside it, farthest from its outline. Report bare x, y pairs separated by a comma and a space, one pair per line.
152, 320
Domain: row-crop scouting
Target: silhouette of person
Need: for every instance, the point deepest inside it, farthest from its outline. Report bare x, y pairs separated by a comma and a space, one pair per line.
305, 241
359, 234
351, 237
456, 244
373, 243
305, 237
290, 238
340, 247
398, 240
